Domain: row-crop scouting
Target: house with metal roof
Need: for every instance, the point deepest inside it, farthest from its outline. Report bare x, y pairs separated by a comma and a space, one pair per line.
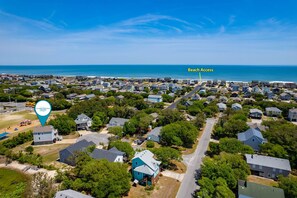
117, 122
273, 111
248, 189
68, 154
112, 155
83, 122
145, 169
251, 137
269, 167
70, 194
45, 135
154, 135
256, 113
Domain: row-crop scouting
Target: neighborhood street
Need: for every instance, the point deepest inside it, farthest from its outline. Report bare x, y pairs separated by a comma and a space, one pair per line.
193, 161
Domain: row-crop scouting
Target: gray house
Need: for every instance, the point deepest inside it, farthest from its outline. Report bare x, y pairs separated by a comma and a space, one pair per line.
256, 113
273, 111
68, 154
252, 138
222, 106
248, 189
45, 135
83, 122
112, 155
236, 106
154, 135
117, 122
292, 115
269, 167
70, 194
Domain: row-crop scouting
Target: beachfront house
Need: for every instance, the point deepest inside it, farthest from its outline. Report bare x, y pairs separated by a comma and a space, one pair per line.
112, 155
145, 169
255, 113
154, 135
251, 137
70, 194
83, 122
268, 167
236, 106
69, 154
248, 189
45, 135
222, 106
154, 98
117, 122
292, 115
273, 111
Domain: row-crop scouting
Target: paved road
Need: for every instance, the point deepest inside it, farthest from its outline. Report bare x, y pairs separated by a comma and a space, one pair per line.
190, 94
193, 161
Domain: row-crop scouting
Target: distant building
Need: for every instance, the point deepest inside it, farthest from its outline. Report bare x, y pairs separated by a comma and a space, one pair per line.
154, 135
145, 169
117, 122
252, 138
69, 154
292, 115
196, 97
285, 96
256, 113
223, 99
273, 111
112, 155
45, 135
222, 106
236, 106
70, 194
253, 190
269, 167
154, 98
83, 122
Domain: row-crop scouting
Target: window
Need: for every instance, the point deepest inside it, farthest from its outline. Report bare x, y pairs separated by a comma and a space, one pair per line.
135, 163
138, 174
260, 167
254, 166
273, 169
280, 171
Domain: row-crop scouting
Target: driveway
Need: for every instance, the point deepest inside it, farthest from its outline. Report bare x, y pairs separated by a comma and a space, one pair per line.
171, 174
193, 162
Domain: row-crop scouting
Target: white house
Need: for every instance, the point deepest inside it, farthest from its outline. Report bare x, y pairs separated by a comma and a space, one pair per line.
273, 111
45, 135
154, 98
292, 115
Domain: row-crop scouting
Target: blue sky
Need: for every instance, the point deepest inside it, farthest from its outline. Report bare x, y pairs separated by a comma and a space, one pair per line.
148, 32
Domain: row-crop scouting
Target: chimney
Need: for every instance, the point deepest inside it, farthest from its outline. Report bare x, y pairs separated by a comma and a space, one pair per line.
252, 156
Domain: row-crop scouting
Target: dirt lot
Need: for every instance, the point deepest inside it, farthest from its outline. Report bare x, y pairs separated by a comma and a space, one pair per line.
166, 188
262, 180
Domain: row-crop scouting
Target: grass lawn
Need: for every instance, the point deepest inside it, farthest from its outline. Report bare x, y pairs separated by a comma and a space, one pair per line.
12, 183
262, 180
50, 153
29, 115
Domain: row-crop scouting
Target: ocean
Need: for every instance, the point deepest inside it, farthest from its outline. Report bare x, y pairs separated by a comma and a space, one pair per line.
220, 72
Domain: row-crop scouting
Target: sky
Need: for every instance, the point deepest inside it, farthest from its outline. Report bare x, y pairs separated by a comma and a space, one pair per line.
54, 32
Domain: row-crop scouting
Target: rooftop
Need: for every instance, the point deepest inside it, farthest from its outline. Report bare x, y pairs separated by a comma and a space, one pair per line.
70, 194
267, 161
41, 129
249, 133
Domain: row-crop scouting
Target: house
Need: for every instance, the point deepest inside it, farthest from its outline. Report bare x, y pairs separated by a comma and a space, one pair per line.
145, 169
285, 96
117, 122
154, 98
154, 135
89, 96
223, 99
252, 137
235, 87
236, 106
210, 98
71, 96
248, 189
273, 111
292, 115
45, 135
196, 97
83, 122
268, 167
222, 106
97, 138
68, 154
112, 155
257, 126
45, 88
256, 113
70, 194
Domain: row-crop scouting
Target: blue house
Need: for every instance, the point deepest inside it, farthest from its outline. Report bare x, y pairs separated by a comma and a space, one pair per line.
252, 138
145, 169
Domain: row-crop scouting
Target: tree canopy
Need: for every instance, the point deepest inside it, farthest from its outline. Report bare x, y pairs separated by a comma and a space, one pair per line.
64, 124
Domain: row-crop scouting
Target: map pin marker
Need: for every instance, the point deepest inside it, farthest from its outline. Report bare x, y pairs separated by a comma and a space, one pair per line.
43, 109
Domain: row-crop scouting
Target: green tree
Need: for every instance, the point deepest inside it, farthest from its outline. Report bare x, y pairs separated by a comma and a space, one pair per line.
116, 130
150, 144
289, 185
64, 124
124, 147
96, 123
29, 149
274, 150
166, 155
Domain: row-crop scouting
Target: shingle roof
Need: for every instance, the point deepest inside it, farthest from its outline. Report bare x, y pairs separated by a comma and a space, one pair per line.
144, 169
95, 137
82, 118
70, 194
148, 158
273, 109
256, 111
118, 121
41, 129
155, 96
249, 189
249, 133
156, 131
236, 105
79, 146
110, 155
267, 161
